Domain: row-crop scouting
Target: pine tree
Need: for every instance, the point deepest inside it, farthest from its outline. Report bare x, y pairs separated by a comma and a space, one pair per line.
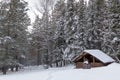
59, 19
112, 41
95, 26
70, 14
19, 21
14, 32
6, 41
38, 41
43, 37
70, 27
80, 35
115, 24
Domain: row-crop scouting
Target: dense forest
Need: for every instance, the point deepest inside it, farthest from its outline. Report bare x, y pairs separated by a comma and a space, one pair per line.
64, 31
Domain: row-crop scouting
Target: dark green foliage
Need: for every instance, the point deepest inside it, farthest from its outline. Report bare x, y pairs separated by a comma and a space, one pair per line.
13, 31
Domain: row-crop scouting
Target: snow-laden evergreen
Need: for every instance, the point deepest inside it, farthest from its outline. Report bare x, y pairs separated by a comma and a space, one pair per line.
62, 32
14, 22
77, 25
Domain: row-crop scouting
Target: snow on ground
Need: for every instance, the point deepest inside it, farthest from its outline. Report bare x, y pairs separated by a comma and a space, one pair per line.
110, 72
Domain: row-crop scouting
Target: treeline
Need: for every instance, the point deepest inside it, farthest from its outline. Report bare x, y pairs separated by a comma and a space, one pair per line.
73, 26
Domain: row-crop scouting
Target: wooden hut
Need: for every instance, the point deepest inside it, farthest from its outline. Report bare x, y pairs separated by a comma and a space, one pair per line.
92, 58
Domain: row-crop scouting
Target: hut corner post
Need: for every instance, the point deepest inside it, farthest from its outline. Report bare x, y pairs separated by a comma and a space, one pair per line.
93, 61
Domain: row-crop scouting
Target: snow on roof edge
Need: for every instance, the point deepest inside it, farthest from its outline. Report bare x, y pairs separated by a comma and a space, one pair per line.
100, 55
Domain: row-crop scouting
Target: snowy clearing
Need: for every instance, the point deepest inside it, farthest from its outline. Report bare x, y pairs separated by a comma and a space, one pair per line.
110, 72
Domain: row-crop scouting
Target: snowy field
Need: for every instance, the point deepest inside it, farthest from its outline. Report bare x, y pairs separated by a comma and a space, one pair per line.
111, 72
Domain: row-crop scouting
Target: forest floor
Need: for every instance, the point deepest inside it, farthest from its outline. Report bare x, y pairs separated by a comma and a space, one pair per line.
110, 72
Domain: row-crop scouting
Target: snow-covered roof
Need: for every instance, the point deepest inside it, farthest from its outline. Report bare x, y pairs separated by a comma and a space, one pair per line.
100, 55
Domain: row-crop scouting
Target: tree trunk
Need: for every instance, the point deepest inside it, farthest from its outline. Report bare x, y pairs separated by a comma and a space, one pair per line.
4, 70
57, 64
64, 62
12, 68
16, 69
50, 64
60, 63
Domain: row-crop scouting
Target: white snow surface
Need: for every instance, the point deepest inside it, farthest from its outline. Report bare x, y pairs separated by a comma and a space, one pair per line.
100, 55
110, 72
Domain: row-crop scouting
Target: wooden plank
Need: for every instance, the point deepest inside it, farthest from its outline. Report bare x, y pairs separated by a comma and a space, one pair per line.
84, 59
93, 60
84, 56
